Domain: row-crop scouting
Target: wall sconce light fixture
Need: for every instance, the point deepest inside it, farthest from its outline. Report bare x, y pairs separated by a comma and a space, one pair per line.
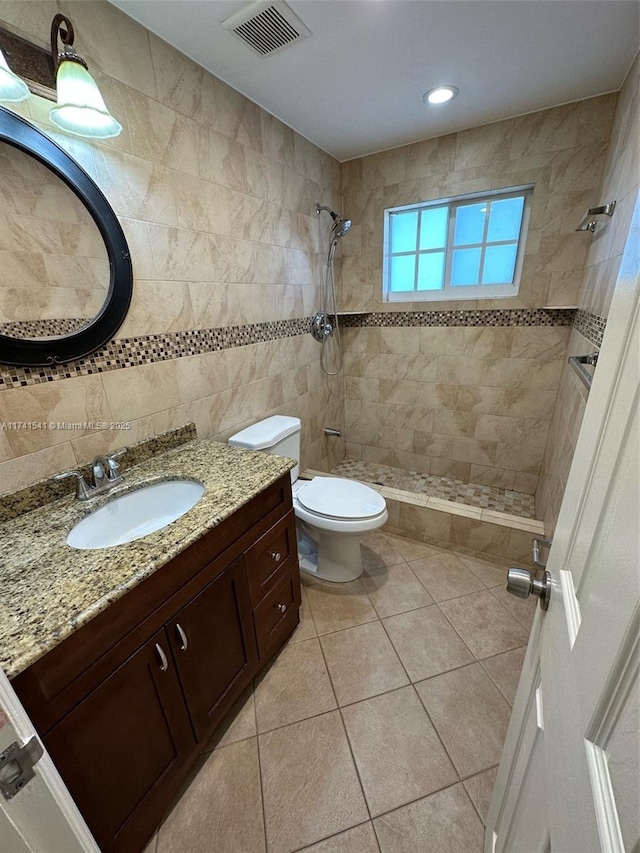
12, 88
81, 108
61, 76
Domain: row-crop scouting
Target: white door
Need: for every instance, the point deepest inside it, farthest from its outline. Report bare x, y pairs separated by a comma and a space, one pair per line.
569, 779
42, 817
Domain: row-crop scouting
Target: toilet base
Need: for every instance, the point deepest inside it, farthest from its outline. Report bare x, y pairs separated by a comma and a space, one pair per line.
329, 557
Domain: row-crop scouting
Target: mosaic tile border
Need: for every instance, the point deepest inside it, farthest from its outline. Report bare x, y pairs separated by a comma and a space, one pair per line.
147, 349
43, 328
492, 317
590, 326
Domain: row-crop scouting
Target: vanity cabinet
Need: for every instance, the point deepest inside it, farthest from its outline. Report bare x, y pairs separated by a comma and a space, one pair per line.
119, 749
213, 646
126, 703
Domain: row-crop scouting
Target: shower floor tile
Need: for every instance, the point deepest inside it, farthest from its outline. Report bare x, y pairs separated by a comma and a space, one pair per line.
471, 494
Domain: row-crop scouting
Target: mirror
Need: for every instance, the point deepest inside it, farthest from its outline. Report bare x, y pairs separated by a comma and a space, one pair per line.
65, 270
54, 269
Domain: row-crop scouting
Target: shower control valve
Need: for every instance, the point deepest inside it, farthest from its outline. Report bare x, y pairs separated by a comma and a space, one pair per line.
320, 326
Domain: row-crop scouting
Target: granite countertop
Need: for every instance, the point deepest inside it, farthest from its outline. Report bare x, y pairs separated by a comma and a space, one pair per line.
48, 589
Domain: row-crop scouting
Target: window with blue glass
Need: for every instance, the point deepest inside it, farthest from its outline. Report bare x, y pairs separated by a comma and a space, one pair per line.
470, 247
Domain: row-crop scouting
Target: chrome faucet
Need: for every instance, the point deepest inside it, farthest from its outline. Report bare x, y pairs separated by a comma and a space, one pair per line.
105, 476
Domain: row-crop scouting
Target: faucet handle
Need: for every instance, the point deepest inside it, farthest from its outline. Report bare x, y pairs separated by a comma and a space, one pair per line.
99, 467
82, 488
114, 466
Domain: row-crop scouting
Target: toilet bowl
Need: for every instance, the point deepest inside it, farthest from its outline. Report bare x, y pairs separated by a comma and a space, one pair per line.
331, 512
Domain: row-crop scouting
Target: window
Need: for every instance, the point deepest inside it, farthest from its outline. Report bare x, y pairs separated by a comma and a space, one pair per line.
470, 247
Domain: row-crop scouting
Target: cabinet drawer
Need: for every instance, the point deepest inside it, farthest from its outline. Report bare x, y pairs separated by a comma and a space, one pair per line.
277, 615
269, 558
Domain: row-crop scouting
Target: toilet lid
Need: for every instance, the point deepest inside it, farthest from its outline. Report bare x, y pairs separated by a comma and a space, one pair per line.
339, 498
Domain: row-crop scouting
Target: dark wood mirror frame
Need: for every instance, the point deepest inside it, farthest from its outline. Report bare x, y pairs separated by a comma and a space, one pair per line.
18, 132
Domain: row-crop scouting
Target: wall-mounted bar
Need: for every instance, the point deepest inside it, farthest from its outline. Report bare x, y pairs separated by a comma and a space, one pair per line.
588, 223
578, 363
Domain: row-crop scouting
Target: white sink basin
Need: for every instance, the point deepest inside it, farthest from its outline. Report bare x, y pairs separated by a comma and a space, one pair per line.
135, 514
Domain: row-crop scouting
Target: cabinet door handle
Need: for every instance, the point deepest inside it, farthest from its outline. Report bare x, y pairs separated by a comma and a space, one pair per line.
184, 643
276, 556
164, 663
282, 608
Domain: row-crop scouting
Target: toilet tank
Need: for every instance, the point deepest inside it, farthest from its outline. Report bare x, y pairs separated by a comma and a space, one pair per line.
278, 435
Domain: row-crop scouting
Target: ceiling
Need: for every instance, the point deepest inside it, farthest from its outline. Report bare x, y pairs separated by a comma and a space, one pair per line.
355, 86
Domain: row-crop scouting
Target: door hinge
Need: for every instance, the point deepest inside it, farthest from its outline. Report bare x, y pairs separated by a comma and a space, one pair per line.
16, 766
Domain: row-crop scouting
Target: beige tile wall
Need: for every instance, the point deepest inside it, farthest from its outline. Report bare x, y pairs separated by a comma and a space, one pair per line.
560, 151
46, 235
620, 182
470, 403
216, 198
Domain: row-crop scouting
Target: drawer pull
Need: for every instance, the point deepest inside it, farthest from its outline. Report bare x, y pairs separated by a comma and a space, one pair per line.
282, 608
184, 643
164, 663
276, 556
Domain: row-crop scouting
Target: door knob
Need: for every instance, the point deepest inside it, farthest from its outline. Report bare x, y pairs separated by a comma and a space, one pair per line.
523, 583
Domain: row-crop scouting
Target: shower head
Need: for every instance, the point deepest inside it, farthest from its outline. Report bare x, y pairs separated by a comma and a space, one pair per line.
340, 225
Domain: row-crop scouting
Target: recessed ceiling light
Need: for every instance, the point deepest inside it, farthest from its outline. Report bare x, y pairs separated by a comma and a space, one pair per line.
440, 95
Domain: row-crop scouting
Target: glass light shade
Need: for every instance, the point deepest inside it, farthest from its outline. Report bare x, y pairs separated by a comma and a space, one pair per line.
12, 88
81, 108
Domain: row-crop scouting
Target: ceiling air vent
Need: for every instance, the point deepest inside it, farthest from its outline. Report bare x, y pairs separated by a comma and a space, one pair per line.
267, 27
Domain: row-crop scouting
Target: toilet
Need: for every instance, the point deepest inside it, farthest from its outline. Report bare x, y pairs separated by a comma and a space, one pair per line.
331, 512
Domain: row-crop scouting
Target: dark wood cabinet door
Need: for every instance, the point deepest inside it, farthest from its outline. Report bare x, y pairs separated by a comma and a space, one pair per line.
213, 644
118, 749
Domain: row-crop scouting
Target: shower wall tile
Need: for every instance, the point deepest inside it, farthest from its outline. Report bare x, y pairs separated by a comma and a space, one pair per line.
621, 181
474, 451
457, 424
495, 342
490, 381
433, 444
489, 476
459, 370
465, 411
526, 483
498, 428
446, 467
217, 201
562, 437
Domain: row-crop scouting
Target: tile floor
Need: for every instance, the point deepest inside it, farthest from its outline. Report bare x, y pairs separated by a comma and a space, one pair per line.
379, 726
470, 494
